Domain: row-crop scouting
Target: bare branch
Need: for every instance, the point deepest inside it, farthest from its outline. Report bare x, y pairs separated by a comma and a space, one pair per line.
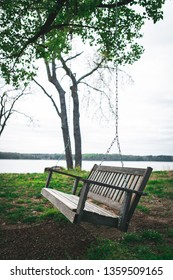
50, 97
7, 107
94, 88
91, 72
68, 70
25, 115
72, 57
48, 70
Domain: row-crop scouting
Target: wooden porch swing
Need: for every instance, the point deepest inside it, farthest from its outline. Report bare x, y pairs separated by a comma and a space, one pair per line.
112, 188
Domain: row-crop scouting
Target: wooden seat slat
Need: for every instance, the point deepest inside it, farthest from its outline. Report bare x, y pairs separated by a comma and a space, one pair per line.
71, 201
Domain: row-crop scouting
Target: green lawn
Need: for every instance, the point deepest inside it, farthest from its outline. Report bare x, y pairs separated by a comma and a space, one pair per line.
21, 202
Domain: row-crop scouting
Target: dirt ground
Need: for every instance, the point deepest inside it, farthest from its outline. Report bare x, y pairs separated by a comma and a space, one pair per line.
51, 240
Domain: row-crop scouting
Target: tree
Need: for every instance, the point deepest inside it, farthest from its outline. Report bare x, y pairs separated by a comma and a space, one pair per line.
105, 24
8, 99
62, 112
40, 29
54, 78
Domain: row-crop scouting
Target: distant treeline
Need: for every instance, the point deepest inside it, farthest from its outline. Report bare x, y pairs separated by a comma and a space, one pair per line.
94, 157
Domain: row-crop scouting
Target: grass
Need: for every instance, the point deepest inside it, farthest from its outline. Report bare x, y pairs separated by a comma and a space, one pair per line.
161, 185
21, 202
21, 199
148, 244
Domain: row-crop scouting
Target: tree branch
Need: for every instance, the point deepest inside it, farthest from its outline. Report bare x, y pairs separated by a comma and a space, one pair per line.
7, 104
94, 88
91, 72
48, 95
46, 27
72, 57
68, 70
48, 70
114, 5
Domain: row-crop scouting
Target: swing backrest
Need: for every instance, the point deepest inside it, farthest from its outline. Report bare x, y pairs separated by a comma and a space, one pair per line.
124, 177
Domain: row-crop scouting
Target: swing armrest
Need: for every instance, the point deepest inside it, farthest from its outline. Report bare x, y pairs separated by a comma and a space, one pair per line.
52, 169
57, 169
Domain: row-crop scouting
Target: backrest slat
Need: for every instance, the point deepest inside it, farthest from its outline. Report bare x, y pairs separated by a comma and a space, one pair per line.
124, 177
114, 179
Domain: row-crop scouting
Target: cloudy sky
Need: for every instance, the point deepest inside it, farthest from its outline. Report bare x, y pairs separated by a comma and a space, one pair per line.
145, 107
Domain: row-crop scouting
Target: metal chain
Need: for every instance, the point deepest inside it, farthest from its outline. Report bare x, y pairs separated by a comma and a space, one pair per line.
116, 118
116, 137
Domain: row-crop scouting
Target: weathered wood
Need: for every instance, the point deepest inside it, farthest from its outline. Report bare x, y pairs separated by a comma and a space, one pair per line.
59, 203
82, 201
136, 198
71, 201
48, 178
99, 219
119, 188
123, 221
75, 185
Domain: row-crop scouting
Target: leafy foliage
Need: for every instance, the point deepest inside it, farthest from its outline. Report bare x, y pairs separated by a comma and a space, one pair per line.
33, 29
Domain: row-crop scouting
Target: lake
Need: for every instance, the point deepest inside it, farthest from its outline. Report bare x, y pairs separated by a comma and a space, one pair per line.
32, 166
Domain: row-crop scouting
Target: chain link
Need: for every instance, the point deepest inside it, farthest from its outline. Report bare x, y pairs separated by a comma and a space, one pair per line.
116, 137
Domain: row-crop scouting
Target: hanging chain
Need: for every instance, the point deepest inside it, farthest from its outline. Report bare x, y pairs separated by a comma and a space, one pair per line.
116, 118
116, 137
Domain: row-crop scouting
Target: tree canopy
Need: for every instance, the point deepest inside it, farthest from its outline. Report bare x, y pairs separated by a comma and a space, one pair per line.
32, 29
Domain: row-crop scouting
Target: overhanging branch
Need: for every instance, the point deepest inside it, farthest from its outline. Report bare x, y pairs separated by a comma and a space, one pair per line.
50, 96
48, 25
91, 72
114, 5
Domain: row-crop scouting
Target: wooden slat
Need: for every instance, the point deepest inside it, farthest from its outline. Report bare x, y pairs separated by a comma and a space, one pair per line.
71, 201
123, 225
141, 187
69, 213
114, 182
112, 197
118, 193
126, 170
100, 220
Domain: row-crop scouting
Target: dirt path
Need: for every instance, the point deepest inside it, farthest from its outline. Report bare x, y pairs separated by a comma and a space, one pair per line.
51, 240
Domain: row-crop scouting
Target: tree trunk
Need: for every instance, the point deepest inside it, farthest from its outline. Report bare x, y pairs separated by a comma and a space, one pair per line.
63, 114
64, 125
65, 132
76, 126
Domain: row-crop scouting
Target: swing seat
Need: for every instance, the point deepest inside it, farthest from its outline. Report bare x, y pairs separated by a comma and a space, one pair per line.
109, 195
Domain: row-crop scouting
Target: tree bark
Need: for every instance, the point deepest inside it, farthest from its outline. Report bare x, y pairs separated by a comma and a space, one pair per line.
64, 127
76, 126
63, 114
76, 114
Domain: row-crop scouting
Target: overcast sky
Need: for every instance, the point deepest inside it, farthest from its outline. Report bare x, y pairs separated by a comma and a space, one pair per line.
145, 107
